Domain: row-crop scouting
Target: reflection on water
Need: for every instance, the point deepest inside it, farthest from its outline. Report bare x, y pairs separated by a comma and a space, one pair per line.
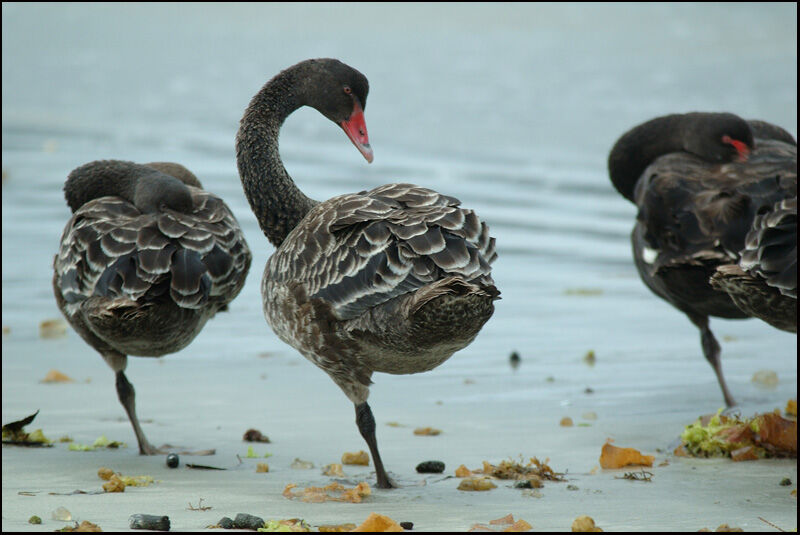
511, 108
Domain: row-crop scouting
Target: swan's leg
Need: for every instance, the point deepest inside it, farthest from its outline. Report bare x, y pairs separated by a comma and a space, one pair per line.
127, 396
711, 350
366, 425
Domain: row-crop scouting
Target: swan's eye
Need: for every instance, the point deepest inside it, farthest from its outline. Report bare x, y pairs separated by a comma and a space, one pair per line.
347, 90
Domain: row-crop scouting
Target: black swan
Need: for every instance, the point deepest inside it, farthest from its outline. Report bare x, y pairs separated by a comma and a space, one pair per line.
145, 260
391, 280
716, 231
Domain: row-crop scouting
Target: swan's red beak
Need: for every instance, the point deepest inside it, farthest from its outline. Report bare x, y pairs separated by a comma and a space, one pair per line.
741, 148
356, 129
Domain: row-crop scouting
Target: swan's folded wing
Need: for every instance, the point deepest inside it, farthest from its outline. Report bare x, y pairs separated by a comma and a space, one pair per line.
770, 250
358, 251
111, 249
690, 207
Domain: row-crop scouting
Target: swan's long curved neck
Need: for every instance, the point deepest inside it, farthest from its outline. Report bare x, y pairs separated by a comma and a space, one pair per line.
639, 147
277, 202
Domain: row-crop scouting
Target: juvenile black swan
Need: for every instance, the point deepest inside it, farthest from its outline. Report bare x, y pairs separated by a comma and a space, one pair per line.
391, 280
716, 231
145, 260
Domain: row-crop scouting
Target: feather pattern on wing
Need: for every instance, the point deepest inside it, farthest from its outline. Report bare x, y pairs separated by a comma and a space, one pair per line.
111, 249
357, 251
690, 207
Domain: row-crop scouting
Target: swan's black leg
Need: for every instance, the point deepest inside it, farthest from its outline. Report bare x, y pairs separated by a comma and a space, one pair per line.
711, 350
127, 396
366, 425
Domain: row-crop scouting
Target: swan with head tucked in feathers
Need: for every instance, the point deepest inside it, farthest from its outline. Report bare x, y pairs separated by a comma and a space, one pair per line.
146, 259
716, 231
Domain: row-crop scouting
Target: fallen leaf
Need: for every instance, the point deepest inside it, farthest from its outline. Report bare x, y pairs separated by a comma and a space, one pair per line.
378, 523
55, 376
614, 457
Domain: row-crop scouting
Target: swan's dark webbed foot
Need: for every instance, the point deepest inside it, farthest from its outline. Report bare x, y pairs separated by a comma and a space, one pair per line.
366, 425
127, 396
711, 351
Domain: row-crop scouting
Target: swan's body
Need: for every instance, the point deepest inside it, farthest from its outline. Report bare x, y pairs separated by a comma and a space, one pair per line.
391, 280
704, 185
146, 259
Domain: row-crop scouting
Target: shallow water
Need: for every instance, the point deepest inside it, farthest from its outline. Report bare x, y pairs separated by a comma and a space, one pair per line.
511, 108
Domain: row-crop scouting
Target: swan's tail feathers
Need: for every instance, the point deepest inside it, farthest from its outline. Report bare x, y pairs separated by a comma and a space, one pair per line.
770, 250
456, 287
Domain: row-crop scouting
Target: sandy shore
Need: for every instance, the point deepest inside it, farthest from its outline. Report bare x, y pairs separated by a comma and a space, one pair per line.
209, 403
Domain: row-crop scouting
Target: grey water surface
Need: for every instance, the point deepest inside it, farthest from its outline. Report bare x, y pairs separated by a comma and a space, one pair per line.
512, 108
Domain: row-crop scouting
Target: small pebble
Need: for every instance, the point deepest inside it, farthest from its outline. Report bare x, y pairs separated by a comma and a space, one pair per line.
430, 467
152, 522
533, 482
173, 460
407, 525
62, 514
785, 482
254, 435
572, 487
225, 523
34, 520
765, 379
245, 521
514, 360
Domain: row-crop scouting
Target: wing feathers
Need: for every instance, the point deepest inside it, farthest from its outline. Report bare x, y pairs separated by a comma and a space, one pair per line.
111, 249
360, 250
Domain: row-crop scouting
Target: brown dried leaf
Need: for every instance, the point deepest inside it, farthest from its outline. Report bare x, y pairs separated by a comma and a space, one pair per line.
584, 524
335, 492
55, 376
777, 432
463, 471
379, 523
359, 458
115, 484
476, 484
105, 473
427, 431
614, 457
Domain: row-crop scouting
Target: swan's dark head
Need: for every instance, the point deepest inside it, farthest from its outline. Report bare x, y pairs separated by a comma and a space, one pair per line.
155, 191
339, 92
718, 137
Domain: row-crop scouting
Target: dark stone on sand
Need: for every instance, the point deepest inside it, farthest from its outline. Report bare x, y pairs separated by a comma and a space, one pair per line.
151, 522
430, 467
173, 460
225, 523
514, 359
407, 525
254, 435
245, 521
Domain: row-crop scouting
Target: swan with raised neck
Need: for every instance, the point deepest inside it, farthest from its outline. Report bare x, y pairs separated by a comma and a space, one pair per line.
277, 202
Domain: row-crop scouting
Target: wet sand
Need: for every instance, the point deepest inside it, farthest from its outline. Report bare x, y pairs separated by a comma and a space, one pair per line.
493, 415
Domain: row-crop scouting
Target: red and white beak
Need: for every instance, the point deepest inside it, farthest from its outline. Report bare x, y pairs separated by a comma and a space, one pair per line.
741, 148
356, 129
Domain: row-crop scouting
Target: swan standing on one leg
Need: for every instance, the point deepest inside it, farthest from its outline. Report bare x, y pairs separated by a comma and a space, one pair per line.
391, 280
716, 231
145, 260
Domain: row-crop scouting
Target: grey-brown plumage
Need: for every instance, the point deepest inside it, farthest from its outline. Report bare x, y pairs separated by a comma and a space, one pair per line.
710, 188
146, 259
764, 282
394, 280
